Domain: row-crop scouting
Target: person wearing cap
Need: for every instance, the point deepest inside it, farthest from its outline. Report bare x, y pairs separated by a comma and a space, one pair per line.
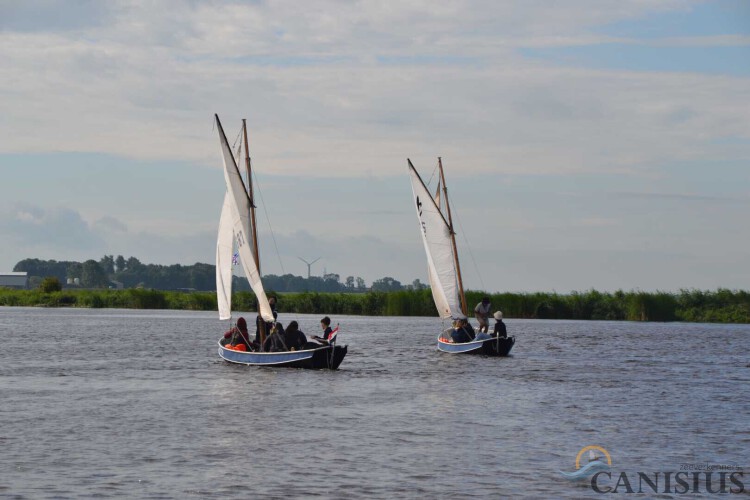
482, 313
500, 330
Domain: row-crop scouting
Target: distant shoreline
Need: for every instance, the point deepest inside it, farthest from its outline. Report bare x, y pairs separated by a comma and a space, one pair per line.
696, 306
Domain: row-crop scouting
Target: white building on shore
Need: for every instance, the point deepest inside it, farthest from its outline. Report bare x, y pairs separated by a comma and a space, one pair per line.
18, 280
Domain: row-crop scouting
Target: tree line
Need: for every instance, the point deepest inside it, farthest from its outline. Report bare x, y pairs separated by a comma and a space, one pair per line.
132, 273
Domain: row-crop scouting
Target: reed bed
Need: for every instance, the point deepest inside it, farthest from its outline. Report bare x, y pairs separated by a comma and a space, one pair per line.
719, 306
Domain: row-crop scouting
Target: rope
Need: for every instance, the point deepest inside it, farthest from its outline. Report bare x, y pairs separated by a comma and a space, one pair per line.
268, 220
433, 173
237, 138
471, 254
244, 337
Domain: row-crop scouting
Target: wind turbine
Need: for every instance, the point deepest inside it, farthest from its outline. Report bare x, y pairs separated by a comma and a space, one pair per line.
309, 265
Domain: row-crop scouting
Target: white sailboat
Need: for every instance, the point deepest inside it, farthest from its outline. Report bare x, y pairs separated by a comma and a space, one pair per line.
443, 268
237, 224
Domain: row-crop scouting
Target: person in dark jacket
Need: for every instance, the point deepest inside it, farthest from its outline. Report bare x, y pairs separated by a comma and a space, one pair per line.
294, 338
500, 330
325, 325
237, 335
269, 324
275, 341
462, 332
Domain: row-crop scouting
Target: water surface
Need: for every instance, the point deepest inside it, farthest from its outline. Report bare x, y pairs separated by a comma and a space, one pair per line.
116, 403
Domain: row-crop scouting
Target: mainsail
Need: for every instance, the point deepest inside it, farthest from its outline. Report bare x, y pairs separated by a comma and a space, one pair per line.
441, 261
239, 214
224, 244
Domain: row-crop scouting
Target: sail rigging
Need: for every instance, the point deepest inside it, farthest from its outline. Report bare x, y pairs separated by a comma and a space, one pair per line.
442, 260
242, 229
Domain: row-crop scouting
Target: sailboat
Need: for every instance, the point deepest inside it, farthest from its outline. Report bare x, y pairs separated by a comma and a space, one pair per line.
237, 225
444, 271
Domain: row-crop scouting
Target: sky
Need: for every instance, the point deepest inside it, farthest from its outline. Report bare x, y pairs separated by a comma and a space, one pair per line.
586, 144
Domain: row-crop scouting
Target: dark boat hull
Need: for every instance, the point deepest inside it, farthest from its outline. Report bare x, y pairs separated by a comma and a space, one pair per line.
322, 358
489, 347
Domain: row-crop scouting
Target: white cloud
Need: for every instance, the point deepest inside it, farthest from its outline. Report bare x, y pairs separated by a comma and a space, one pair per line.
110, 224
29, 228
325, 93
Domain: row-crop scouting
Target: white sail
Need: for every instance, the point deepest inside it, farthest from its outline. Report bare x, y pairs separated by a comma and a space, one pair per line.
240, 215
224, 245
441, 262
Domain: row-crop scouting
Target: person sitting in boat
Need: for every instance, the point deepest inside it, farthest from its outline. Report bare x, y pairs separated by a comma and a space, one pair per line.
294, 339
275, 341
462, 331
500, 330
325, 325
269, 324
482, 313
258, 322
268, 327
237, 335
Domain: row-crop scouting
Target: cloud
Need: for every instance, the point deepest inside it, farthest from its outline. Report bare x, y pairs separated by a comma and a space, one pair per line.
699, 41
683, 197
110, 224
34, 227
63, 233
342, 89
52, 15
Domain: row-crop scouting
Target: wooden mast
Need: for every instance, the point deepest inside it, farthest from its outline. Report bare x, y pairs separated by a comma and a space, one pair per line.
248, 169
464, 308
256, 254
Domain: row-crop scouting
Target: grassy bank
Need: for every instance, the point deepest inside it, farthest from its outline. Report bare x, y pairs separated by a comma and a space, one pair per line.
720, 306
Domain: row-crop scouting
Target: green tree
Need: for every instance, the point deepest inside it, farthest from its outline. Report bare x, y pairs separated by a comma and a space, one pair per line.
120, 263
418, 285
92, 275
41, 268
386, 284
133, 264
107, 264
50, 284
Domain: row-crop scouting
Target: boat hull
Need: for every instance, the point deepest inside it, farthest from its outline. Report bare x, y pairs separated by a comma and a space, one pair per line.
489, 347
322, 358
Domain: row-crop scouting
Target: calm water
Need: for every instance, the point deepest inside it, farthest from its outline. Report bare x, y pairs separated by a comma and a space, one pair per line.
137, 404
